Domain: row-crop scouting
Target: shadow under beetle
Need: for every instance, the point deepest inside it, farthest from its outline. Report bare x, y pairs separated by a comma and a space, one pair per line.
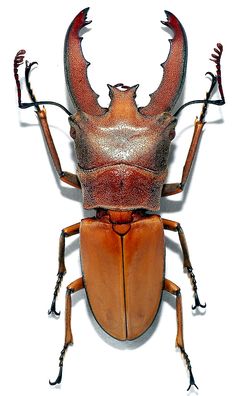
122, 154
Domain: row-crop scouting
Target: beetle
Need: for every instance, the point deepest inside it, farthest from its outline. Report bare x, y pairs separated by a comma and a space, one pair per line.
122, 154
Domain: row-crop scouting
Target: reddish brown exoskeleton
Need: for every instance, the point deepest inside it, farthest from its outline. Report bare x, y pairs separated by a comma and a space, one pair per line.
122, 154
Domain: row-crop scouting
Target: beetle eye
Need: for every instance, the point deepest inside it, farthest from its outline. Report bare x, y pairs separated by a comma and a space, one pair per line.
72, 133
172, 134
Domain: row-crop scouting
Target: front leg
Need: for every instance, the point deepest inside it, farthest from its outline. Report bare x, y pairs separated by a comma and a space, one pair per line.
66, 177
175, 188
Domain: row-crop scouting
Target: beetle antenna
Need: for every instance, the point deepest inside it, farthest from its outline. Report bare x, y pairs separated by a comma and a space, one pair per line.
45, 102
216, 57
19, 58
219, 102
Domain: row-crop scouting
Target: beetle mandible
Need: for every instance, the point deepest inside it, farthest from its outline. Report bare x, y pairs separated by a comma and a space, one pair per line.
122, 154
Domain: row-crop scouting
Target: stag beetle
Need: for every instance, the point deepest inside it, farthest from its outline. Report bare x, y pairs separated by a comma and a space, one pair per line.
122, 154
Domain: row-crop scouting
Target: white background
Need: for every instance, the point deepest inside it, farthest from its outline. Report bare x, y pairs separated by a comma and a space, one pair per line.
126, 43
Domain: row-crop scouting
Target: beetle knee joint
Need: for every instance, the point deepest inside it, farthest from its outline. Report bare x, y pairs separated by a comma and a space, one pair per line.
64, 233
178, 293
179, 228
69, 291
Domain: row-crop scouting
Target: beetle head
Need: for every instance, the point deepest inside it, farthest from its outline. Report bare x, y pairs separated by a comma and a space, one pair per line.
122, 154
122, 151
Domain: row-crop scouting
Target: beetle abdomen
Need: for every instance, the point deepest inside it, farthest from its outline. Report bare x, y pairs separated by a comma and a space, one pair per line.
123, 274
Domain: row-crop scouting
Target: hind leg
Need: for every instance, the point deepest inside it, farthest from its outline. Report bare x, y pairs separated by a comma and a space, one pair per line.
72, 288
171, 288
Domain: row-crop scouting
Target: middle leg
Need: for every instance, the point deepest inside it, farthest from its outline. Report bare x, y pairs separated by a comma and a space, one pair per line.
66, 232
175, 226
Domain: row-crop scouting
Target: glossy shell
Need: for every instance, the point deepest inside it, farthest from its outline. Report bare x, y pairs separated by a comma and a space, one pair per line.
122, 155
123, 270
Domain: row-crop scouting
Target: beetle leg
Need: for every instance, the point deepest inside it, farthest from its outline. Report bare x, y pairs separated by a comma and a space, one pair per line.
66, 177
66, 232
170, 287
72, 288
175, 188
175, 226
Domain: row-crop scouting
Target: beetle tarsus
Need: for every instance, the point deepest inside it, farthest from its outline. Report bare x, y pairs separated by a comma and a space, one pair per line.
52, 310
28, 68
216, 57
18, 61
58, 379
191, 380
208, 95
191, 377
197, 302
194, 285
61, 358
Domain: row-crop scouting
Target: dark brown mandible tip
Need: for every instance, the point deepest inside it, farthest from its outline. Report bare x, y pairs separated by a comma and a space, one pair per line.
174, 71
82, 95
